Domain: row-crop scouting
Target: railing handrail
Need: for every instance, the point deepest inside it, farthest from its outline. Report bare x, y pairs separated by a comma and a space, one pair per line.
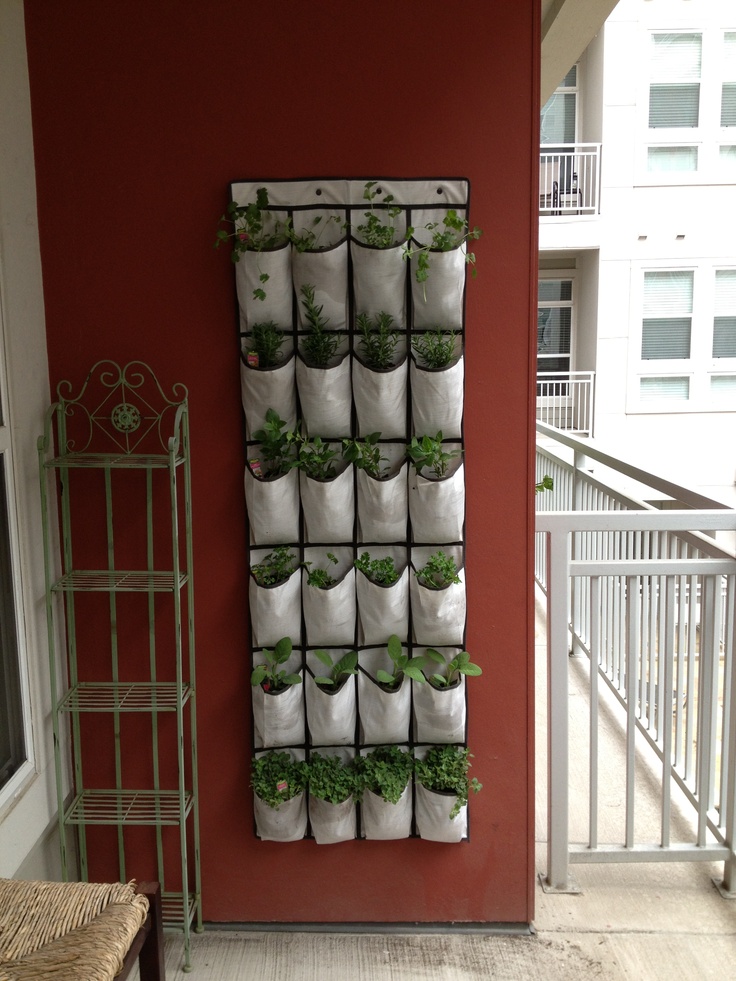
587, 449
567, 148
561, 374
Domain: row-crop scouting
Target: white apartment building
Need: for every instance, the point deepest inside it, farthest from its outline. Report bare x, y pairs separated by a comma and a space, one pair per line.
637, 264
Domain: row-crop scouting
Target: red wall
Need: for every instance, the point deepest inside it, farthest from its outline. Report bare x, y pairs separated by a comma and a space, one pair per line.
143, 112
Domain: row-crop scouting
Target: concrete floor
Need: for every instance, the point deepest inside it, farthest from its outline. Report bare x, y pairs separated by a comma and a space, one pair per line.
629, 922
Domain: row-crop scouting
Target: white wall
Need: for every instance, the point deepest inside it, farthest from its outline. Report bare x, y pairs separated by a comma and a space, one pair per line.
27, 845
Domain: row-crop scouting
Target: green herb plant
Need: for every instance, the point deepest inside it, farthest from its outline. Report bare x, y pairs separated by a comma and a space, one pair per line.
275, 777
382, 572
278, 446
253, 230
365, 453
266, 341
439, 571
445, 770
545, 484
435, 348
321, 578
332, 779
316, 458
385, 771
270, 676
339, 670
428, 453
309, 238
379, 229
450, 670
275, 568
446, 236
403, 665
320, 345
378, 339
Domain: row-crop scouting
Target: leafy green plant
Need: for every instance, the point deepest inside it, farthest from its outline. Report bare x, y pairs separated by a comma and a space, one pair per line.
403, 665
277, 446
546, 483
332, 779
270, 676
378, 340
253, 230
428, 453
382, 572
266, 343
275, 777
320, 345
438, 571
308, 239
275, 568
446, 236
385, 771
445, 770
365, 453
435, 348
379, 228
321, 578
450, 670
316, 458
339, 670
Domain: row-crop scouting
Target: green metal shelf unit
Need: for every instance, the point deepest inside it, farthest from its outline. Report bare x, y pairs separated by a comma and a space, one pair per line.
121, 420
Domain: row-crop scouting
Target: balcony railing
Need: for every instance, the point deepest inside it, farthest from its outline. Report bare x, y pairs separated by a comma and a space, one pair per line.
566, 399
569, 179
646, 593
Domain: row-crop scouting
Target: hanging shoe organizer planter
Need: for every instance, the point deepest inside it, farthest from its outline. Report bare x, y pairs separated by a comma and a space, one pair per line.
352, 349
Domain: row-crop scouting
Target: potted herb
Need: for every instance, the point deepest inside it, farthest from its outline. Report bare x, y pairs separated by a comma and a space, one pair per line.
436, 490
330, 694
383, 595
267, 377
443, 253
380, 371
381, 489
327, 492
379, 272
320, 260
279, 780
322, 371
278, 709
333, 788
272, 483
274, 595
437, 598
437, 378
259, 246
442, 789
384, 698
439, 706
328, 596
384, 776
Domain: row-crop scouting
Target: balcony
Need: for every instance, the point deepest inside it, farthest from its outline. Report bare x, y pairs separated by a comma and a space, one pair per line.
569, 180
639, 587
565, 400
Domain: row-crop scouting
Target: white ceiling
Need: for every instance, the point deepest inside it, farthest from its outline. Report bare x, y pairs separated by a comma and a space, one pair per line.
568, 26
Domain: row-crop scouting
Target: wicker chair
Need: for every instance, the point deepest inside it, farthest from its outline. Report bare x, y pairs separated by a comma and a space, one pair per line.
79, 931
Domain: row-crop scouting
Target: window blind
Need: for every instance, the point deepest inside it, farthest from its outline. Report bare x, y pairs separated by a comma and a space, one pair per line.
724, 321
674, 92
728, 91
666, 388
667, 321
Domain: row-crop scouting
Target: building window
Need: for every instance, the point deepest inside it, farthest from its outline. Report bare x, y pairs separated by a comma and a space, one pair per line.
664, 389
558, 118
668, 309
674, 90
12, 730
554, 325
728, 88
724, 320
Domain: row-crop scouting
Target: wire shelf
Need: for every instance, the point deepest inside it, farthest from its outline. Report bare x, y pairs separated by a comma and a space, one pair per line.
125, 697
113, 461
119, 581
129, 807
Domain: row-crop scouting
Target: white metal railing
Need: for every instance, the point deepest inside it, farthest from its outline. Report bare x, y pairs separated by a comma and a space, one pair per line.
569, 179
566, 399
649, 596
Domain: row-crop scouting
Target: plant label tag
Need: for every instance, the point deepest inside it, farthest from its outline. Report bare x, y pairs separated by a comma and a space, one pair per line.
252, 359
255, 466
283, 785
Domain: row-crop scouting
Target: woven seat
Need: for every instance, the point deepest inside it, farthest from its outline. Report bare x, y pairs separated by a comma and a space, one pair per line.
68, 931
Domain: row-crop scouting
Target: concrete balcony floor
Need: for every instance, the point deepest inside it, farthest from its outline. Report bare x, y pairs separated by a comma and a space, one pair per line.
663, 922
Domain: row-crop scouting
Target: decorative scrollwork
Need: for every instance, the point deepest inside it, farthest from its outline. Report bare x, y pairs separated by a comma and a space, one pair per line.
125, 417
